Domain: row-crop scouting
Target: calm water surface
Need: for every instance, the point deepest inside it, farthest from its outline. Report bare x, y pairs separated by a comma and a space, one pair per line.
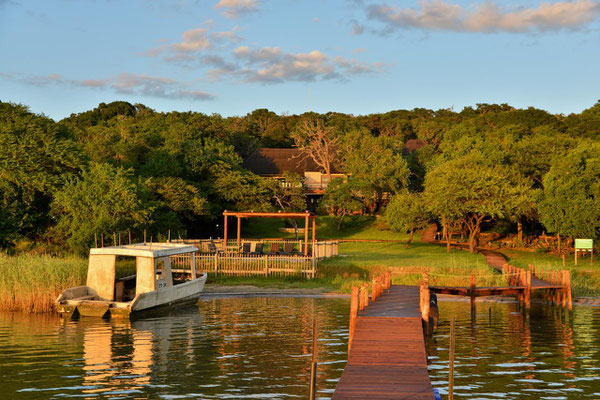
241, 348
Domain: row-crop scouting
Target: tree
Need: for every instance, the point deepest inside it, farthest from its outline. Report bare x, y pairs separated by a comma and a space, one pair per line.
105, 199
470, 191
340, 200
286, 195
317, 141
570, 201
36, 157
376, 166
406, 212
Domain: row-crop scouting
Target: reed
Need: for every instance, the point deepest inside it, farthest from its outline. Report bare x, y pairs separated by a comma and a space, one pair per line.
32, 283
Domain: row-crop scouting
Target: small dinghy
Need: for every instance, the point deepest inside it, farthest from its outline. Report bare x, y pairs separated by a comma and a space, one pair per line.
155, 284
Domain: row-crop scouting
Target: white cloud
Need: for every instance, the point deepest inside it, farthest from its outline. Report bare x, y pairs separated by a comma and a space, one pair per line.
237, 8
437, 15
125, 83
193, 41
272, 65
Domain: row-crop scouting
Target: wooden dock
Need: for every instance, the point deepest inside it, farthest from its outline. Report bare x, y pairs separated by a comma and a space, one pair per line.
387, 357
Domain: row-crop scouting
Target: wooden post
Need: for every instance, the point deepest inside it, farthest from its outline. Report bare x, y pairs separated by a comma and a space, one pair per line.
314, 230
354, 306
425, 301
119, 238
239, 232
568, 289
102, 239
575, 256
472, 292
129, 231
361, 299
451, 362
313, 365
144, 236
374, 289
114, 239
528, 290
169, 236
306, 235
366, 294
95, 239
225, 233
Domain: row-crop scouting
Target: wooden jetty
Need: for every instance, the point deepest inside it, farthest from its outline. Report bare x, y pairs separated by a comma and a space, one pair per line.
387, 358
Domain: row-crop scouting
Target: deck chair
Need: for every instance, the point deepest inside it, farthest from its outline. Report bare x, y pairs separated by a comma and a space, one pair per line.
212, 248
258, 249
275, 248
246, 248
288, 249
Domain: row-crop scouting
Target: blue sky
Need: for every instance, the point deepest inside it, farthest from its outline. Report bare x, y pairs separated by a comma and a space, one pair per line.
354, 56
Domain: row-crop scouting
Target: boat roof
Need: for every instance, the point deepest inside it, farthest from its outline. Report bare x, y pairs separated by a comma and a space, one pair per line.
152, 250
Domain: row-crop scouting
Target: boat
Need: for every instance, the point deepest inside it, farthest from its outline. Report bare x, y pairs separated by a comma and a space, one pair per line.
155, 285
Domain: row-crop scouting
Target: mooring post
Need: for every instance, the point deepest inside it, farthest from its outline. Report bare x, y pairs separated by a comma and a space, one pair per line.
472, 293
373, 289
568, 289
451, 362
528, 290
313, 364
366, 294
425, 300
354, 305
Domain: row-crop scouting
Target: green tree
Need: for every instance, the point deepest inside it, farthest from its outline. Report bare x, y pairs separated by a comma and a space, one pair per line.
341, 199
105, 199
36, 157
570, 201
407, 213
470, 191
376, 166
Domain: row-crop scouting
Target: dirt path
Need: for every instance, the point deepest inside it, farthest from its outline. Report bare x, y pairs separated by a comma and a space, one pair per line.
428, 235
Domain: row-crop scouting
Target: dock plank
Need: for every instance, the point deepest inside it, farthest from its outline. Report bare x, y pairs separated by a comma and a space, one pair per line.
388, 359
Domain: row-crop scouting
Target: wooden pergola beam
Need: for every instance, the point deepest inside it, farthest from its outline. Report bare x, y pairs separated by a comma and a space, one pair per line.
239, 215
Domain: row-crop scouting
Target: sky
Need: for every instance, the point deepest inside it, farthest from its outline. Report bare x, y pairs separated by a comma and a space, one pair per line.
353, 56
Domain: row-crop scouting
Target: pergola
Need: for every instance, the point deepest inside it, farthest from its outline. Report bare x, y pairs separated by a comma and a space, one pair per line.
298, 215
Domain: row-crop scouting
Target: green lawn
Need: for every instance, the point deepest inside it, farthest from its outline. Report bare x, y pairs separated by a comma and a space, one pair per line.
354, 227
585, 279
360, 262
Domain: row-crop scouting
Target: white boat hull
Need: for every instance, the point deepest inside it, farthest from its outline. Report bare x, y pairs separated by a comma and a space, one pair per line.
84, 301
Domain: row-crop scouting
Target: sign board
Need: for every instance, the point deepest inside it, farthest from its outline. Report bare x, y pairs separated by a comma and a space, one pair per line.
584, 244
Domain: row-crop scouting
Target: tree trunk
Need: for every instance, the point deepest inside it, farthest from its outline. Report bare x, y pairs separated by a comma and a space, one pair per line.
340, 219
520, 231
472, 235
410, 238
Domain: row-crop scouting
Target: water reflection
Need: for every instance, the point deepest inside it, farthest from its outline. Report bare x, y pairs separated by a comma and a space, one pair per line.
546, 354
227, 348
260, 348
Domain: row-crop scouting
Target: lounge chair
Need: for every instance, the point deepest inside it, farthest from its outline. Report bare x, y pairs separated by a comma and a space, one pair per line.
212, 248
246, 248
258, 249
288, 249
275, 248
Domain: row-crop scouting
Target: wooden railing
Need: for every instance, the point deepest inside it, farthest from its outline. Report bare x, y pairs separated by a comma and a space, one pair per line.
249, 264
560, 294
360, 299
320, 251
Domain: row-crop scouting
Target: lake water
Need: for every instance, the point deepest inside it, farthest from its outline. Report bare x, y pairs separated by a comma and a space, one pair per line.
242, 348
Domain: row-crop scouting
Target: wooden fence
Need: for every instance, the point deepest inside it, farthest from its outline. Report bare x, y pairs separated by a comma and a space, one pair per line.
249, 264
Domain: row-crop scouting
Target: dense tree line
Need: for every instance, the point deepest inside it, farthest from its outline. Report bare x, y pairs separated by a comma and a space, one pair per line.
122, 166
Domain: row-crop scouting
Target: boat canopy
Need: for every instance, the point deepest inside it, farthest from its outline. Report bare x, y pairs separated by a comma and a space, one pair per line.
153, 267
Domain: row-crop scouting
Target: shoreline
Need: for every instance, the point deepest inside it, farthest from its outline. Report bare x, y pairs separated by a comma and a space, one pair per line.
231, 291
